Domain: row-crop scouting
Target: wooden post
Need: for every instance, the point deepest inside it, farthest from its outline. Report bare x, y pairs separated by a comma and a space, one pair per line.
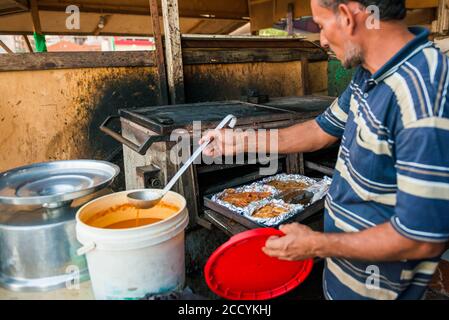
5, 47
290, 13
101, 25
35, 16
160, 60
293, 163
27, 42
305, 76
302, 169
173, 51
440, 26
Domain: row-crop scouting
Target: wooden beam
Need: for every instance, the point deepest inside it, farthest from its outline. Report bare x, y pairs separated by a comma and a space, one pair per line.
69, 33
221, 42
74, 60
160, 60
35, 16
138, 10
421, 4
5, 47
173, 51
250, 55
20, 4
27, 42
10, 11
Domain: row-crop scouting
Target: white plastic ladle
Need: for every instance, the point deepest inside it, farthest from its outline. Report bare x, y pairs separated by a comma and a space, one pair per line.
148, 199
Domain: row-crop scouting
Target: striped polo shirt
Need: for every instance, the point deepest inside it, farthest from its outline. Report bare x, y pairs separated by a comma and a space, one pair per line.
393, 167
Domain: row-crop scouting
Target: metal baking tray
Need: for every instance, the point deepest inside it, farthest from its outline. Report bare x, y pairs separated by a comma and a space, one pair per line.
242, 215
250, 224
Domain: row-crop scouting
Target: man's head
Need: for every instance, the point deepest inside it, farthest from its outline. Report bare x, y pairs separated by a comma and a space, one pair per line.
345, 24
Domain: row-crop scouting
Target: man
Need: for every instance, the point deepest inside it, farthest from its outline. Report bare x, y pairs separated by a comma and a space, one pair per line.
387, 212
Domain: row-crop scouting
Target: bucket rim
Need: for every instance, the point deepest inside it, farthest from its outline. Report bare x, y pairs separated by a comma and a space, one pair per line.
115, 242
144, 227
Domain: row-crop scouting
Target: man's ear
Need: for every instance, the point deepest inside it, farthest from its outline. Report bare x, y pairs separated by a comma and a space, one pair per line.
346, 19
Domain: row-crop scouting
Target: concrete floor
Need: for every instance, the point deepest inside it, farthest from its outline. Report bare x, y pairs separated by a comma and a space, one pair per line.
84, 293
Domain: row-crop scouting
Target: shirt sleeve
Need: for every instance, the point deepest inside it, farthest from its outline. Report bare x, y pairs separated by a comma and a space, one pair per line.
333, 120
422, 207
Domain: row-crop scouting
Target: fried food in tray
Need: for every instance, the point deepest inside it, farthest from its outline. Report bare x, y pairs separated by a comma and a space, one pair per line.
288, 185
243, 199
302, 197
270, 211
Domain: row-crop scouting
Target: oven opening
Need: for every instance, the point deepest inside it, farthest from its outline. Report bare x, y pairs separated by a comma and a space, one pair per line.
216, 178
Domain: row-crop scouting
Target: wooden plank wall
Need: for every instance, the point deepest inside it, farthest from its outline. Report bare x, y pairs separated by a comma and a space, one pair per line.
53, 113
211, 82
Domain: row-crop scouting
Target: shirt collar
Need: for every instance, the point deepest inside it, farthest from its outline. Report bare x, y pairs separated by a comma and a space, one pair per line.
408, 51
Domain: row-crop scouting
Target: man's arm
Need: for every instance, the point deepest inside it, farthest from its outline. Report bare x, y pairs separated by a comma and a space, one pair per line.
381, 243
304, 137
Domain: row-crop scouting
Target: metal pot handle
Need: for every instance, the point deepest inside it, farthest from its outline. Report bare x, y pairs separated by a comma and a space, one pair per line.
142, 149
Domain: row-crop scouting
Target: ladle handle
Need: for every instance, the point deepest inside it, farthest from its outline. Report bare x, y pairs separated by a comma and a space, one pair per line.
230, 120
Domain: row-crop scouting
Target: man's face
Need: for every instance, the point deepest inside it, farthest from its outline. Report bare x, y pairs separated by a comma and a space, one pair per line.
336, 35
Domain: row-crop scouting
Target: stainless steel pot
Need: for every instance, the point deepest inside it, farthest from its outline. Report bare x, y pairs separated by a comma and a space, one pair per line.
38, 204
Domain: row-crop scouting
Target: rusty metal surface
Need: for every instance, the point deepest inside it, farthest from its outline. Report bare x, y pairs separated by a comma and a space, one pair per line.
55, 115
164, 119
232, 81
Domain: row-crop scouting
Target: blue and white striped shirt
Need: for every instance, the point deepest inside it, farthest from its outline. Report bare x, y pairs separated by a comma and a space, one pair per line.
393, 166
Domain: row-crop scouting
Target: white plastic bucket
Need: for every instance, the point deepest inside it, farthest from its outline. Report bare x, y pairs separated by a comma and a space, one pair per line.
131, 263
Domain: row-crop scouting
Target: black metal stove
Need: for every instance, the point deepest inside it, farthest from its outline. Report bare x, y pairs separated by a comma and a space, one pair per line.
145, 135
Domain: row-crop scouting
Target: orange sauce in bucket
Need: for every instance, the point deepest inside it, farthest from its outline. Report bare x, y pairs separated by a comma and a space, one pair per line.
134, 217
134, 223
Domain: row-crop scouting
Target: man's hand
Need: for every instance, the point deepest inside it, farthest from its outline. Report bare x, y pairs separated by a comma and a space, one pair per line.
379, 243
299, 243
225, 142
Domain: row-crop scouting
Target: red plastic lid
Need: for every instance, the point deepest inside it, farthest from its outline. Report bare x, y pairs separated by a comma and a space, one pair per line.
239, 270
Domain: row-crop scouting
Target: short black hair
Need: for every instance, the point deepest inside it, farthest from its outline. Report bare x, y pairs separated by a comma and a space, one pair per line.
389, 9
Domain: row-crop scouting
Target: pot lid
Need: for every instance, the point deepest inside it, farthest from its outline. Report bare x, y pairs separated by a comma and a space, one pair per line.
239, 270
53, 183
